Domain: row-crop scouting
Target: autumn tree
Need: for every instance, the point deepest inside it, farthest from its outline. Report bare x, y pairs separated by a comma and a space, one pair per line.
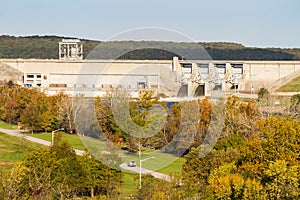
156, 189
68, 109
240, 117
107, 123
37, 114
12, 183
277, 139
9, 107
33, 108
263, 166
205, 114
269, 160
196, 170
294, 108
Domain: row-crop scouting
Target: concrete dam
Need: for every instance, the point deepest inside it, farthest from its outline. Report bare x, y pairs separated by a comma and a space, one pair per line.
166, 78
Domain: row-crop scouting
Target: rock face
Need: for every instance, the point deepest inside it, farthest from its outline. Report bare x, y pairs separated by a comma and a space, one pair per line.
8, 73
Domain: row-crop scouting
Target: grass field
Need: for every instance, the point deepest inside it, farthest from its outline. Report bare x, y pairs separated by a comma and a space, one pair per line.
130, 180
293, 86
77, 142
72, 139
164, 163
130, 183
174, 168
13, 149
7, 126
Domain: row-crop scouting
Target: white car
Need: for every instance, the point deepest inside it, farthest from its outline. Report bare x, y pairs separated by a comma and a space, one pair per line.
131, 163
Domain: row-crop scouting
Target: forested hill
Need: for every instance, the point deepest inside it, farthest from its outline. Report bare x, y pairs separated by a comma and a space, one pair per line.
42, 47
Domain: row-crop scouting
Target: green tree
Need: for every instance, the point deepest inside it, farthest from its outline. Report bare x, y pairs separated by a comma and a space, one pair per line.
263, 94
106, 120
57, 172
99, 178
37, 110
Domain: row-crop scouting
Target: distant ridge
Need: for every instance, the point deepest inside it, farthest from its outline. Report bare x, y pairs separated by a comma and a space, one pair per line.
46, 47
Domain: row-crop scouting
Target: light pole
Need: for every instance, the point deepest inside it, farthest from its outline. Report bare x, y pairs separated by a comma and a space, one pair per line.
252, 90
141, 169
52, 141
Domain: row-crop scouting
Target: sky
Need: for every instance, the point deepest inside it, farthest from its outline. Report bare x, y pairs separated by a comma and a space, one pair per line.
257, 23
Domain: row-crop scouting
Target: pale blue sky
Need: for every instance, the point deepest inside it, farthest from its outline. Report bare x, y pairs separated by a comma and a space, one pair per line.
263, 23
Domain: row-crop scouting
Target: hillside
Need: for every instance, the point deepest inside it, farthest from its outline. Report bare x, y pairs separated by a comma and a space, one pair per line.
43, 47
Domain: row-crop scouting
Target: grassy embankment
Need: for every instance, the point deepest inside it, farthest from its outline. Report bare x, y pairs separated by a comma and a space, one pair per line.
292, 86
13, 149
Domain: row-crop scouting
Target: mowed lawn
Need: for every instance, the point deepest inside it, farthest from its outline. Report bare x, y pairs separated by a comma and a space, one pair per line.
73, 139
165, 163
160, 162
130, 184
76, 141
13, 149
7, 126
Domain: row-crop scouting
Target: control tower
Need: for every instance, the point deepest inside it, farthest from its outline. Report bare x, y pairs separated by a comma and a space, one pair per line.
70, 49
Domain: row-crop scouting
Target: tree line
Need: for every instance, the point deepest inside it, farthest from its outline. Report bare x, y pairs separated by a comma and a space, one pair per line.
46, 47
255, 157
33, 110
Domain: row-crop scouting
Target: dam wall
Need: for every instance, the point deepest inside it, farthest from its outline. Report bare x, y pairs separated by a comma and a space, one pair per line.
169, 78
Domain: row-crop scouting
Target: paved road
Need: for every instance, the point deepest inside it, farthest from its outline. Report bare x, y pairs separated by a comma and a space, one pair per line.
81, 153
33, 139
146, 171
